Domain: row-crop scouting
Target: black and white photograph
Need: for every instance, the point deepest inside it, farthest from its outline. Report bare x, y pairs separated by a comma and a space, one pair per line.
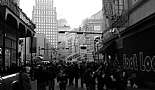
77, 44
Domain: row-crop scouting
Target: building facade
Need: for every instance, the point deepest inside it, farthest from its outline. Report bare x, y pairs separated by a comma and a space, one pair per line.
12, 27
97, 24
128, 41
45, 18
62, 44
43, 47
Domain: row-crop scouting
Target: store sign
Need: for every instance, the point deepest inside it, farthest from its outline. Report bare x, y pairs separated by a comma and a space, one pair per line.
139, 62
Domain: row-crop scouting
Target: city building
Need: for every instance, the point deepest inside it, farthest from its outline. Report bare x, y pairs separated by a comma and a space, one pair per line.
45, 18
128, 42
97, 24
62, 26
62, 44
12, 28
44, 48
71, 44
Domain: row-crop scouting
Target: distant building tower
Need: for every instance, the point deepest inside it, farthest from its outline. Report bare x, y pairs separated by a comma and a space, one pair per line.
45, 17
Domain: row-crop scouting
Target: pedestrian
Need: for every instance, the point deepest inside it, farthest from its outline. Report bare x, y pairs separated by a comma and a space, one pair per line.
41, 78
52, 76
71, 74
62, 80
24, 79
100, 78
89, 79
76, 74
82, 70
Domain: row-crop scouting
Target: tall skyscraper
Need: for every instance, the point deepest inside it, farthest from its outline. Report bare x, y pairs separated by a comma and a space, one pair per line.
45, 17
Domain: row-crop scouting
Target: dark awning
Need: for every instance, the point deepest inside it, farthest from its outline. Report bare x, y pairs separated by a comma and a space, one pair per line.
104, 47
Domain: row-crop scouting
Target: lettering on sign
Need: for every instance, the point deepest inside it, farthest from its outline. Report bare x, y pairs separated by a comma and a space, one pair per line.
139, 62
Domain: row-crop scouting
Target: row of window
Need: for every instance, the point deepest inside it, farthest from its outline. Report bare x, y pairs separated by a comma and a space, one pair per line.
44, 11
47, 33
45, 21
51, 38
46, 29
45, 16
46, 26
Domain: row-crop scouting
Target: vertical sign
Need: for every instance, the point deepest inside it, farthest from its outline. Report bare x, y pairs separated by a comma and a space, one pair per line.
108, 7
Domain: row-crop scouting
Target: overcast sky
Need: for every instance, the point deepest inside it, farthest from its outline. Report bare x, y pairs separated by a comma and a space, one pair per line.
74, 11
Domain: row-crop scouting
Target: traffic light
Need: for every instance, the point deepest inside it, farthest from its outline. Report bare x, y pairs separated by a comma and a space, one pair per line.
83, 47
62, 31
79, 32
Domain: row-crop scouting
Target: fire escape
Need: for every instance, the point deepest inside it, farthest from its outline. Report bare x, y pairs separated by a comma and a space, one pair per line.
116, 11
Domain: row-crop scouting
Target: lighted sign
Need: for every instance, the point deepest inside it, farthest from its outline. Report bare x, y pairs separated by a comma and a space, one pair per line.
139, 62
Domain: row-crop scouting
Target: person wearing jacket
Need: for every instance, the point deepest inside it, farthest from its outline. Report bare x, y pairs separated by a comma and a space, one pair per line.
62, 80
24, 80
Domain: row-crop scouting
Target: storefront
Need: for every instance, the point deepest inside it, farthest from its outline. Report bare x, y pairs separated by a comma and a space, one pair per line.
12, 27
136, 50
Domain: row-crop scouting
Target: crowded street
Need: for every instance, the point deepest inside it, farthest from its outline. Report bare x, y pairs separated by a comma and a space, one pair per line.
74, 82
77, 44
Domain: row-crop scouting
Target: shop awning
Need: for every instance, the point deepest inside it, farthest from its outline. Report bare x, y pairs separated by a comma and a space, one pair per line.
104, 47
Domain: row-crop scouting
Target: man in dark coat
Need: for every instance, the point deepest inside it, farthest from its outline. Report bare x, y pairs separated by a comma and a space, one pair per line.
62, 79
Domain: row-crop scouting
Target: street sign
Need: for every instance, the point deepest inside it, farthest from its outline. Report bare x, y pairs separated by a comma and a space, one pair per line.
83, 49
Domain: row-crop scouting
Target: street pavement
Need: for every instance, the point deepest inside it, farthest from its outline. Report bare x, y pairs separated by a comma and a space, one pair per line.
34, 87
71, 87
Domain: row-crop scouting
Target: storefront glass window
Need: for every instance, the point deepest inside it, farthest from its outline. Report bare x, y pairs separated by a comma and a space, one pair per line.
10, 53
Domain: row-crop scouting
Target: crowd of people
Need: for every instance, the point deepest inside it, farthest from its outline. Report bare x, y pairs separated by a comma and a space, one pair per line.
93, 76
